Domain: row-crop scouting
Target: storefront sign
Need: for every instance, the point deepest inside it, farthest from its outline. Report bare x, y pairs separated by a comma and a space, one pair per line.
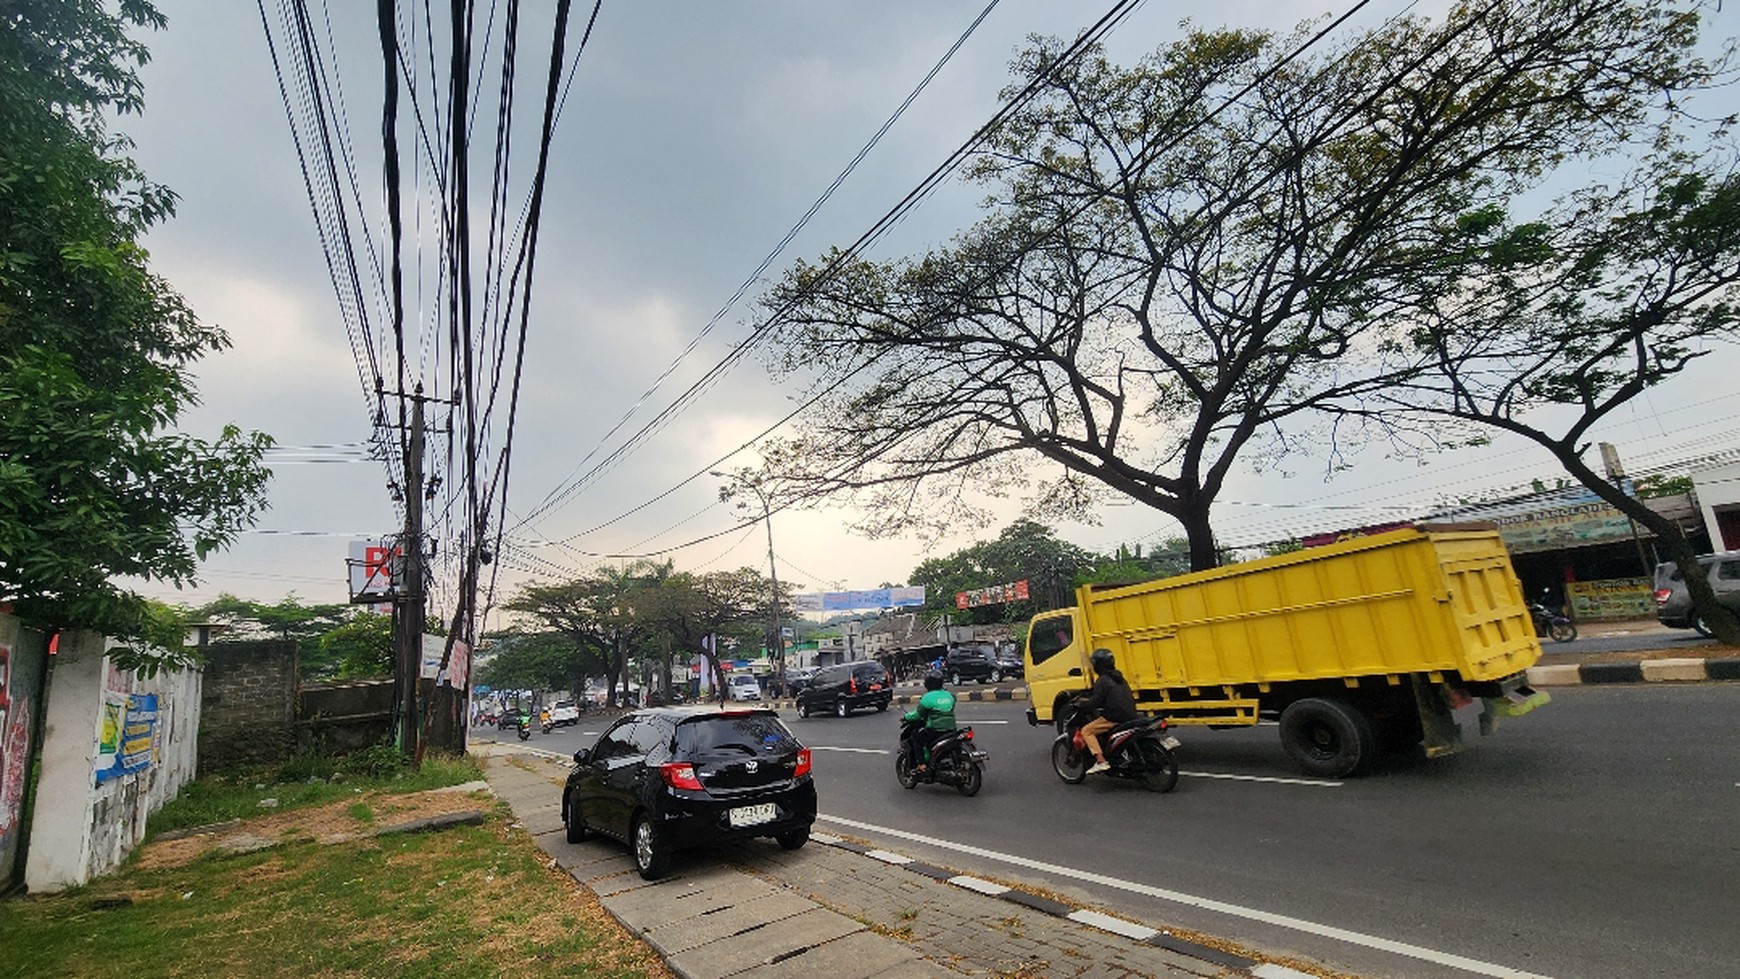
1615, 598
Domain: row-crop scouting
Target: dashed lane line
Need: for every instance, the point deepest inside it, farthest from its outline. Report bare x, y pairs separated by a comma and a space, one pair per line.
1351, 937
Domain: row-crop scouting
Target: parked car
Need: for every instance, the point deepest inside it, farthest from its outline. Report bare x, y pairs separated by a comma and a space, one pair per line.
665, 779
796, 680
844, 688
1011, 666
1673, 602
565, 713
970, 663
742, 687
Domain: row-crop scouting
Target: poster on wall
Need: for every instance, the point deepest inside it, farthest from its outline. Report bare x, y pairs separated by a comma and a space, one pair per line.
21, 668
136, 748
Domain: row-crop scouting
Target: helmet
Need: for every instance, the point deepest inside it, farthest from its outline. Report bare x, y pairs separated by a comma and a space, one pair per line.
933, 681
1102, 660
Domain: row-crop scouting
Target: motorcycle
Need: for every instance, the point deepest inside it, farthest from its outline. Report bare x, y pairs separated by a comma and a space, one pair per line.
525, 728
1551, 623
954, 760
1139, 749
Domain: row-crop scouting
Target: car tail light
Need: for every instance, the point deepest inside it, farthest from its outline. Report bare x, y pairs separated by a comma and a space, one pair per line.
1662, 595
803, 763
681, 775
852, 685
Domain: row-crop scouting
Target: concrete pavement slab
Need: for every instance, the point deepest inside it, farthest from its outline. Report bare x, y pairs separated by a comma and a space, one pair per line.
678, 936
767, 944
680, 899
857, 956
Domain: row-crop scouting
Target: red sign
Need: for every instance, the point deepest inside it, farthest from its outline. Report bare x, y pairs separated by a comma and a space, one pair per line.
1015, 591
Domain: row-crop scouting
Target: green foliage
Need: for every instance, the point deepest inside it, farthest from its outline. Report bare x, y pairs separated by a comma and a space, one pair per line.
95, 350
360, 648
1659, 484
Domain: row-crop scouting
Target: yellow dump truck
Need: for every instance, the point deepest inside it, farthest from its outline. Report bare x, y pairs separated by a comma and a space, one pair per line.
1356, 647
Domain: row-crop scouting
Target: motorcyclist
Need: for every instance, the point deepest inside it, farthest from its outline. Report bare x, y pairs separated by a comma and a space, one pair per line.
1111, 703
931, 719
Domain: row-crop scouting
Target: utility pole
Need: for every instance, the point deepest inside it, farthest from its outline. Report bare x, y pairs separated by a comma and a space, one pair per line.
1616, 472
775, 635
409, 603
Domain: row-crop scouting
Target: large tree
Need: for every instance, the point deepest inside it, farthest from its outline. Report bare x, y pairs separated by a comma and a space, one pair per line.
96, 351
1545, 328
1186, 257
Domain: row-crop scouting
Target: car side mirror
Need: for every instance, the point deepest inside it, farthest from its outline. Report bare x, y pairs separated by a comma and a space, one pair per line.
582, 756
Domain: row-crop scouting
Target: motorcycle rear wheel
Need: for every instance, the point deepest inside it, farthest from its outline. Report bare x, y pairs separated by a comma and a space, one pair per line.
903, 769
1068, 762
1160, 766
970, 777
1563, 631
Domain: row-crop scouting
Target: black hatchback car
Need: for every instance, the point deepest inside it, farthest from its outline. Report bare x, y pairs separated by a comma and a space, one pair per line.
671, 778
844, 688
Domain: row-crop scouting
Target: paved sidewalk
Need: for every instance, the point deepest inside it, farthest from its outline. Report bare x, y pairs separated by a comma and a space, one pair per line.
834, 909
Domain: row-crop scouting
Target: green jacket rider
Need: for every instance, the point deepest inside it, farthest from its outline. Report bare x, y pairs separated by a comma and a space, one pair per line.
934, 715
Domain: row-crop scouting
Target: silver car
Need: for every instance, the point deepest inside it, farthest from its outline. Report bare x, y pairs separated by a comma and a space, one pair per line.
1673, 604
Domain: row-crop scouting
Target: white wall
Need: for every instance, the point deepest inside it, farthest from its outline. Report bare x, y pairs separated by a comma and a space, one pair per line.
1717, 488
80, 828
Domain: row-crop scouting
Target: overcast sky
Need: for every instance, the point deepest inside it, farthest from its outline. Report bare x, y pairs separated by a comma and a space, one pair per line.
695, 136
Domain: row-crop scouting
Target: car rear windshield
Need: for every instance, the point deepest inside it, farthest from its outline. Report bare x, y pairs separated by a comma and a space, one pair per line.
870, 673
756, 733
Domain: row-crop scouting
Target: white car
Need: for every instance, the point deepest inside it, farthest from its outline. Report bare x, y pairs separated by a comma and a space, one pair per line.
564, 712
742, 686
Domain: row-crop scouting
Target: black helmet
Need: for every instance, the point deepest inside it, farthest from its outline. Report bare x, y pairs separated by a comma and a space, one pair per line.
933, 681
1102, 660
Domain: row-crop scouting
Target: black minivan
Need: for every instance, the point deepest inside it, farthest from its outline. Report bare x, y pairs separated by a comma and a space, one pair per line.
671, 778
844, 688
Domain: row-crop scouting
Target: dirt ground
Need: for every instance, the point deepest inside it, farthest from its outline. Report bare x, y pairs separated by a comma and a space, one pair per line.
331, 823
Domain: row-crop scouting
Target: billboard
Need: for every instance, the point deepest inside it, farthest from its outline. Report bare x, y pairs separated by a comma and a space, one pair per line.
1014, 591
371, 570
1554, 520
847, 601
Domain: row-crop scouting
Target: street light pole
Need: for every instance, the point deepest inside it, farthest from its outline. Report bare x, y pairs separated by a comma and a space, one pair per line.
775, 634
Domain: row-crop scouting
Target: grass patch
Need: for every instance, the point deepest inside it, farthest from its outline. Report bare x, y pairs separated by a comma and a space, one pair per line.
362, 812
307, 780
470, 901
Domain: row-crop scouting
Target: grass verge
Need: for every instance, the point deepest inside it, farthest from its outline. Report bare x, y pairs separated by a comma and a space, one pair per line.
470, 901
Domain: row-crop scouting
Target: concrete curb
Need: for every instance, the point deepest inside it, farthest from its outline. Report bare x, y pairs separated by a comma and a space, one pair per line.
1134, 931
1685, 670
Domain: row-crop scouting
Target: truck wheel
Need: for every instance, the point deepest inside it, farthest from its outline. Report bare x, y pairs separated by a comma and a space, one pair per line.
1327, 738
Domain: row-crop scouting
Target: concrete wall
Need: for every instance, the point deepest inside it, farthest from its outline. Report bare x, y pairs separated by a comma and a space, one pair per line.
249, 705
83, 826
344, 717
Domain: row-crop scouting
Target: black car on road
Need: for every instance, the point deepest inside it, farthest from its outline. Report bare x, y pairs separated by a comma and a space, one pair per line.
671, 778
844, 688
963, 663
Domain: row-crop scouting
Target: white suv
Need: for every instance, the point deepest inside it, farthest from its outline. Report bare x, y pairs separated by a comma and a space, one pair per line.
743, 686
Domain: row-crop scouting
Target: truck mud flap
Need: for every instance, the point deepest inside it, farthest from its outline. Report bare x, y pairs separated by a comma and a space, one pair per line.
1517, 699
1440, 734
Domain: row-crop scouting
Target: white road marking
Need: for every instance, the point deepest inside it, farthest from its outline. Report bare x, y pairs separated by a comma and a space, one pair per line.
1208, 904
1265, 778
977, 723
860, 751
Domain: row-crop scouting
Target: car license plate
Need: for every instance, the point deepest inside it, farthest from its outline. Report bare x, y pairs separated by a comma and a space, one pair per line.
1170, 743
753, 815
875, 687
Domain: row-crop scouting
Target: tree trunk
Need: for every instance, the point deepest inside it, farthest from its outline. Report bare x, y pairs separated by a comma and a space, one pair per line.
1193, 514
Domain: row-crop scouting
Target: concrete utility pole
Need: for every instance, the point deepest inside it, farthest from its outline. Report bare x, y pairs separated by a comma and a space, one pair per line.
776, 635
409, 602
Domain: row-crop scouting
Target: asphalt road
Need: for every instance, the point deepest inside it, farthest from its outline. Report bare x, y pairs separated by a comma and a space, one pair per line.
1597, 837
